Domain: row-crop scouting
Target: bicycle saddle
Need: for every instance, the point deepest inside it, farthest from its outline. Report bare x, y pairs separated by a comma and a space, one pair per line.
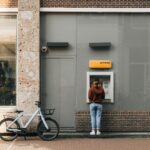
19, 111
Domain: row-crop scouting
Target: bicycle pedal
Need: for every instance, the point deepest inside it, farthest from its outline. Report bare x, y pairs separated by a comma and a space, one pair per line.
23, 130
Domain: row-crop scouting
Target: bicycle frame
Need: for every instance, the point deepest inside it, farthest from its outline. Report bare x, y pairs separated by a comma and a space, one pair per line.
19, 119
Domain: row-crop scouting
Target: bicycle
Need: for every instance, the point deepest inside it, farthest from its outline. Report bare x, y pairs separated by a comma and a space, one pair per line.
47, 128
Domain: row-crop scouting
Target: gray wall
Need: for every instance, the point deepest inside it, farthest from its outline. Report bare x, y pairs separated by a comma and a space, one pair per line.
129, 35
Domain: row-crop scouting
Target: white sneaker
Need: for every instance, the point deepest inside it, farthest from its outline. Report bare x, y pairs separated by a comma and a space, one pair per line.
92, 133
98, 133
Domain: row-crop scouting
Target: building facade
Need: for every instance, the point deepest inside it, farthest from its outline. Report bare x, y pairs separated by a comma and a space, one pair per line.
46, 48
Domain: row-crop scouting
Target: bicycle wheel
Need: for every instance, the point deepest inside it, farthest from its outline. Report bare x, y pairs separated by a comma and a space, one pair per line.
4, 133
49, 134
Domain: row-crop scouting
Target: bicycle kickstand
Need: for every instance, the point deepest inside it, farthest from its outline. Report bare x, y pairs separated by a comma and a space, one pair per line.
25, 138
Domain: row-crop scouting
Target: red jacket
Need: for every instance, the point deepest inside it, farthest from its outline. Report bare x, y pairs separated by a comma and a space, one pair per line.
96, 95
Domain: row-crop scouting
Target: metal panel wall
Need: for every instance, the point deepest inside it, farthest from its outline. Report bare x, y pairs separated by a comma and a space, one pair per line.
129, 35
58, 67
130, 52
58, 89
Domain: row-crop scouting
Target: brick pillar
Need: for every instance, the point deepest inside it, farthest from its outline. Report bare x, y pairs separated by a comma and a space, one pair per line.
28, 55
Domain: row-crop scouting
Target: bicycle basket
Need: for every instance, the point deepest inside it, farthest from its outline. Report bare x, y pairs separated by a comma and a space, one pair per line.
48, 111
8, 116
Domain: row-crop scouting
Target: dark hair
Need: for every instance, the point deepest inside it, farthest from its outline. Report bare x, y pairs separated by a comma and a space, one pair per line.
95, 81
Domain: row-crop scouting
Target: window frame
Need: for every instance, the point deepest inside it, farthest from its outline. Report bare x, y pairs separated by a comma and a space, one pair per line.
111, 90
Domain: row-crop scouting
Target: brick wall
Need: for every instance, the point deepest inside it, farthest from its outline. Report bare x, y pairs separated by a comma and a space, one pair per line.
96, 3
84, 3
116, 121
8, 3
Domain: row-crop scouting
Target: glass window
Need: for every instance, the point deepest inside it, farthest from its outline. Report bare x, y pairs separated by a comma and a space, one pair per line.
7, 60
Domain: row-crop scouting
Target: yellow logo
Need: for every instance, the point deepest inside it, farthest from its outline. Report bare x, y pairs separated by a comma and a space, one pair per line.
100, 64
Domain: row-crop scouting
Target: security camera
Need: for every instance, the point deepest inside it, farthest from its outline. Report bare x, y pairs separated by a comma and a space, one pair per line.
44, 49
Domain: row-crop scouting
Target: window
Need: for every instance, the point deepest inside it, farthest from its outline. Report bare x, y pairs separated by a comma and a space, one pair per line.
7, 60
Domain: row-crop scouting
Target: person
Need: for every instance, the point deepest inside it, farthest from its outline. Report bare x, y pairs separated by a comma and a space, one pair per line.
101, 89
96, 95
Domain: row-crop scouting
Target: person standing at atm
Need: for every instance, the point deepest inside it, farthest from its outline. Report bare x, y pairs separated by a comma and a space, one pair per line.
96, 94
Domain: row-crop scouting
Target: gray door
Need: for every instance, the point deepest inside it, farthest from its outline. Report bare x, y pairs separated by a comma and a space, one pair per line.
58, 89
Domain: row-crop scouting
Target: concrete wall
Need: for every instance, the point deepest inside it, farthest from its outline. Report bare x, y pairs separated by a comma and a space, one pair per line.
28, 55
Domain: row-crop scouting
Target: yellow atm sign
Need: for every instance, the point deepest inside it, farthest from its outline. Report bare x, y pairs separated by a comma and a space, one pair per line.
100, 64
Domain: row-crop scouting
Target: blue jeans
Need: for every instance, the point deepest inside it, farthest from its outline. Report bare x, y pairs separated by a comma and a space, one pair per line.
95, 113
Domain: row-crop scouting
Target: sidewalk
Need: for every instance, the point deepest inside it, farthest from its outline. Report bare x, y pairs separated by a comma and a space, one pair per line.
82, 141
36, 143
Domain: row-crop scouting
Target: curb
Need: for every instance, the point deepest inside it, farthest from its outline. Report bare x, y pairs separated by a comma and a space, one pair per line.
103, 135
106, 135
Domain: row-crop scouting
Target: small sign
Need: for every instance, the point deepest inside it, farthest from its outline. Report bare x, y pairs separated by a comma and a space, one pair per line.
100, 64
